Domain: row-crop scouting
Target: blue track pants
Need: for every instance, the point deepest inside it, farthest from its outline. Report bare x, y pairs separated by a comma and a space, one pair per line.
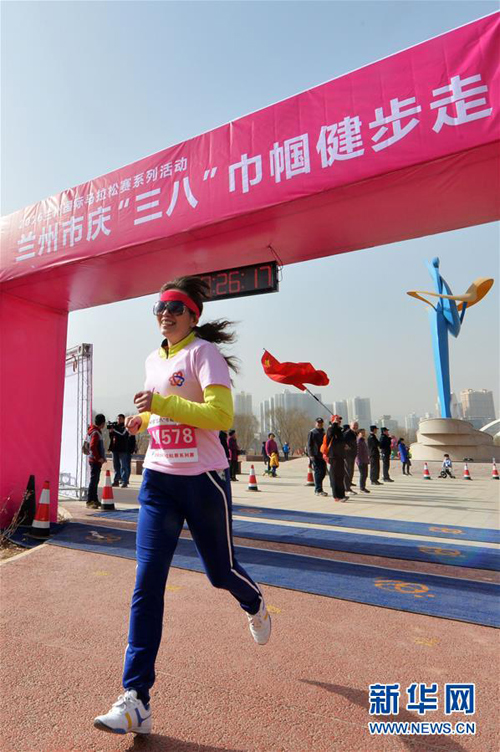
204, 502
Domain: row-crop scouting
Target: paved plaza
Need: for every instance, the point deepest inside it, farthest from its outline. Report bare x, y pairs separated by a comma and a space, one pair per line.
65, 615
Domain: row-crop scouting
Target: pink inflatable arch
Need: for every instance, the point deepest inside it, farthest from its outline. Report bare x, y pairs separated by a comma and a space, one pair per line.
405, 147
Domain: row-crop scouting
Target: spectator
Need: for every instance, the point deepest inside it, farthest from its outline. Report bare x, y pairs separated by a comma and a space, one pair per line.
374, 454
97, 458
234, 451
271, 446
286, 450
362, 460
274, 463
350, 435
336, 457
394, 447
118, 446
265, 457
313, 449
404, 457
223, 441
447, 467
385, 450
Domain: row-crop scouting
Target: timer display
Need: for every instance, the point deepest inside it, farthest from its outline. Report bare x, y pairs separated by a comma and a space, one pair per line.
243, 280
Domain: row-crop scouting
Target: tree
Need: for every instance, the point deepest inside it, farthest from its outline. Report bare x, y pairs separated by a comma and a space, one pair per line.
246, 426
291, 425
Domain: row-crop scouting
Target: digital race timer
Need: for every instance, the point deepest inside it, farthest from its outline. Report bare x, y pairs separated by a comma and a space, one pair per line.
243, 280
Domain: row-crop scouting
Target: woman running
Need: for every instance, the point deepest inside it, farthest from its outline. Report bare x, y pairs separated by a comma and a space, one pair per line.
186, 402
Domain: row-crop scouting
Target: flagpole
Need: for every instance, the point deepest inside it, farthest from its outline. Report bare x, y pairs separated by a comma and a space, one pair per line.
317, 400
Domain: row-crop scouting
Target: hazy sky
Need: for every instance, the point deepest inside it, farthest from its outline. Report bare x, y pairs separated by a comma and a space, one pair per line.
90, 86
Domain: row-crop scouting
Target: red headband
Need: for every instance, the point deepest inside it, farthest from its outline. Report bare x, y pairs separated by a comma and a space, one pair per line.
181, 297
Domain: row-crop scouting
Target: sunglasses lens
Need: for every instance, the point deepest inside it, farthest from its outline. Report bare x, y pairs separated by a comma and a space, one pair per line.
175, 307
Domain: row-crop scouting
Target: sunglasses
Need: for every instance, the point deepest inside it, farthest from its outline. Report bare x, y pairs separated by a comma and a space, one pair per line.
175, 307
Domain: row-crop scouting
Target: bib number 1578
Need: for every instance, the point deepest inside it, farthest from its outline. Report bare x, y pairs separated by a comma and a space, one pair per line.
176, 442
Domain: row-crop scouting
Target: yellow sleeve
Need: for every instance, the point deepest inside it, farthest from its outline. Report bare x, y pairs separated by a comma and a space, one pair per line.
145, 421
214, 414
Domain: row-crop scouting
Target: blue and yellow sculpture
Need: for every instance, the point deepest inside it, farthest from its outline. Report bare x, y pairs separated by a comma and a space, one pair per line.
446, 318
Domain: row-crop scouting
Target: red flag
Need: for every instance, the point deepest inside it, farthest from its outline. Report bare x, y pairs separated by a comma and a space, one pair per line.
296, 374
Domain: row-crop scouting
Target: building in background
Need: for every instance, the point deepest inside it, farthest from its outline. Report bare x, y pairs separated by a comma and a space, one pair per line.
243, 403
291, 401
477, 406
411, 422
267, 416
300, 401
359, 409
455, 407
385, 421
340, 408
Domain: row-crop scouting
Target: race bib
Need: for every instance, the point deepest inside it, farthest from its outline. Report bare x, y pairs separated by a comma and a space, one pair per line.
173, 441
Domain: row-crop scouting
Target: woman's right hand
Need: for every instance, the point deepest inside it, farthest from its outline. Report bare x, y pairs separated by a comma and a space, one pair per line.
133, 424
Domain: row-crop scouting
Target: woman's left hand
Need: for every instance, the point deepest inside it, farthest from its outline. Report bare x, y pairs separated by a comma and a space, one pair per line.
142, 401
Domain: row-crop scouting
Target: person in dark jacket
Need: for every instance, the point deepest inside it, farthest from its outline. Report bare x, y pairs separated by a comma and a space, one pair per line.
362, 459
374, 453
385, 450
350, 435
223, 441
97, 458
234, 452
336, 457
314, 441
404, 456
265, 457
118, 446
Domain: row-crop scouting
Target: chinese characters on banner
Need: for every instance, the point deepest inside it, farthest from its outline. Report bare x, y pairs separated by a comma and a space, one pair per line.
417, 106
463, 101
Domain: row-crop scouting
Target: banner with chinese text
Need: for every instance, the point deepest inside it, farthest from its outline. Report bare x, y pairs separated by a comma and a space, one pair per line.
417, 106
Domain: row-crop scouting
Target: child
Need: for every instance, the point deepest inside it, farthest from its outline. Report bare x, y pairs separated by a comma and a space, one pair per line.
447, 467
274, 463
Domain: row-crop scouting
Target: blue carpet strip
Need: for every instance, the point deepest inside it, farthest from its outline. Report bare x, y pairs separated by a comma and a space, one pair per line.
454, 555
342, 520
372, 545
447, 597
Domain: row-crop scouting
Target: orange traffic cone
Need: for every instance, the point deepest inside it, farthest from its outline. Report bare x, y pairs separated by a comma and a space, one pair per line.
252, 480
427, 475
41, 524
310, 476
494, 472
466, 472
107, 501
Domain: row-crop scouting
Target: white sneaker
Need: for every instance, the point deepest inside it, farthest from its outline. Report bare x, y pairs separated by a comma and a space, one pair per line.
260, 624
127, 715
